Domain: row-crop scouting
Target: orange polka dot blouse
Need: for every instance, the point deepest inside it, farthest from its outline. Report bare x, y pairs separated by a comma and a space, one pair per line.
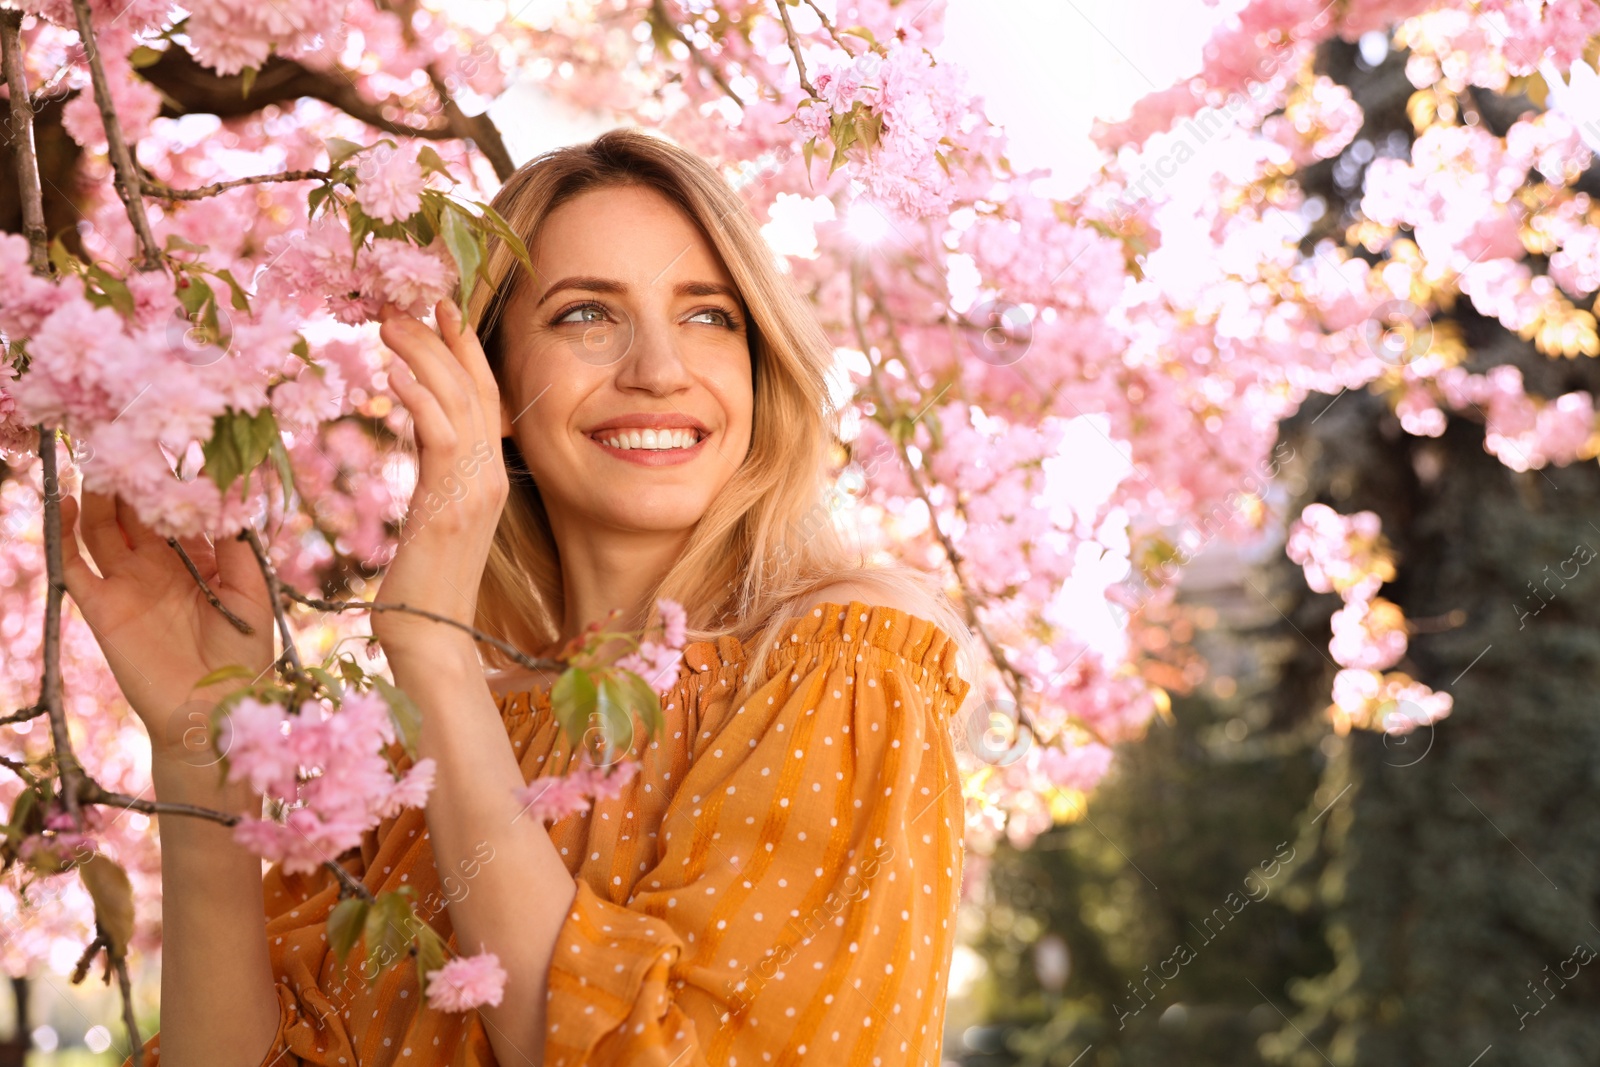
779, 881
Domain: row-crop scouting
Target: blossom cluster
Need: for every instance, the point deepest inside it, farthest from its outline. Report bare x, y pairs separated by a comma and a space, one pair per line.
1347, 554
329, 764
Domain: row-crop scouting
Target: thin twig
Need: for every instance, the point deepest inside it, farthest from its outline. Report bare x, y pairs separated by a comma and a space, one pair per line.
274, 589
194, 572
658, 12
94, 794
366, 605
24, 715
21, 119
794, 46
136, 1045
127, 179
1013, 677
55, 589
827, 24
165, 192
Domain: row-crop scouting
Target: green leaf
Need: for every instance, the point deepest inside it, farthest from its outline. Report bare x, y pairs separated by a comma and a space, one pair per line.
239, 443
344, 926
241, 299
572, 700
20, 811
108, 885
431, 163
115, 289
315, 199
430, 954
385, 931
496, 222
340, 150
176, 241
144, 56
642, 699
618, 724
463, 245
62, 260
327, 680
247, 82
222, 464
351, 670
405, 713
193, 296
222, 674
360, 226
280, 463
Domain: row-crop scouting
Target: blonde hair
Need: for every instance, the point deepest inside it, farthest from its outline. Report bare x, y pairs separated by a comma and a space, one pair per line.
768, 539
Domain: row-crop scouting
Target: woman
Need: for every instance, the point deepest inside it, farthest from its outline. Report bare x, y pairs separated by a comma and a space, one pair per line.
780, 878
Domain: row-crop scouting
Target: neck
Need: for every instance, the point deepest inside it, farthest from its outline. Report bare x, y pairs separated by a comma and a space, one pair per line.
606, 569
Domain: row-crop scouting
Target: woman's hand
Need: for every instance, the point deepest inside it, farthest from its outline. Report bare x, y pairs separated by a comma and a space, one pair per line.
158, 631
462, 486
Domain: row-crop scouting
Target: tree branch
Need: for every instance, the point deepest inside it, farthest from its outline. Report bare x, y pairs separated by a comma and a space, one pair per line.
660, 17
479, 129
23, 716
794, 47
194, 572
195, 89
94, 794
119, 964
291, 653
21, 119
165, 192
127, 182
510, 650
1014, 678
55, 590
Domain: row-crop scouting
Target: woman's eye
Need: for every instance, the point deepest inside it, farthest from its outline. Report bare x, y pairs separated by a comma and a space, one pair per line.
584, 313
719, 318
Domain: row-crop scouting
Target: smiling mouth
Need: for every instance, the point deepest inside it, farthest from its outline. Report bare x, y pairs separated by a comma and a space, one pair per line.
649, 440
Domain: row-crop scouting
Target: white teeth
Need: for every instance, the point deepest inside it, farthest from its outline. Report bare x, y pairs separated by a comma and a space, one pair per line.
653, 439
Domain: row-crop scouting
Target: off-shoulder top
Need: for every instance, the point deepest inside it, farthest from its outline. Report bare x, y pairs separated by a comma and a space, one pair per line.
779, 880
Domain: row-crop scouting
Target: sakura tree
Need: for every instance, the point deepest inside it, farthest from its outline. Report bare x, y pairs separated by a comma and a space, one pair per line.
191, 329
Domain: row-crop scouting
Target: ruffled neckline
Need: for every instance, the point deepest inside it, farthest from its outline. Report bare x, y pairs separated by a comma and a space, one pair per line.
891, 629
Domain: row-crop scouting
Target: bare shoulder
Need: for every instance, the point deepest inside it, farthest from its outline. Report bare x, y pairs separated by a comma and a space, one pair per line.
843, 592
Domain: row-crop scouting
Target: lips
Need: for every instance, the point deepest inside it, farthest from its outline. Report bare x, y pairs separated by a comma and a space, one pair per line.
641, 420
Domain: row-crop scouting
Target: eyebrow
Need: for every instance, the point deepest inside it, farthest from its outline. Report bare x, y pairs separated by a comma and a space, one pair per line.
589, 283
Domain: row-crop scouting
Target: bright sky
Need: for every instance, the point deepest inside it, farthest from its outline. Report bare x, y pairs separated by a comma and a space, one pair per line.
1047, 68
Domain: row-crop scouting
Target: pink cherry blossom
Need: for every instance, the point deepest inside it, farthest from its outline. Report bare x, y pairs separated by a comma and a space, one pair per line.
467, 982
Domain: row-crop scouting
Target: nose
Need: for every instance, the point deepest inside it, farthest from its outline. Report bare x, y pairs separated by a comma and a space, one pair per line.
653, 362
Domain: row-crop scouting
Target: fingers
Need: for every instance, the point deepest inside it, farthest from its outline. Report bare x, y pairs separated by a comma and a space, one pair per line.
463, 341
139, 535
433, 364
434, 428
81, 580
102, 534
237, 568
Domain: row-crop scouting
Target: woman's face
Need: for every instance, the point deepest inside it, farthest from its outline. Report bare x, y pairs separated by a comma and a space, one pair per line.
628, 379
